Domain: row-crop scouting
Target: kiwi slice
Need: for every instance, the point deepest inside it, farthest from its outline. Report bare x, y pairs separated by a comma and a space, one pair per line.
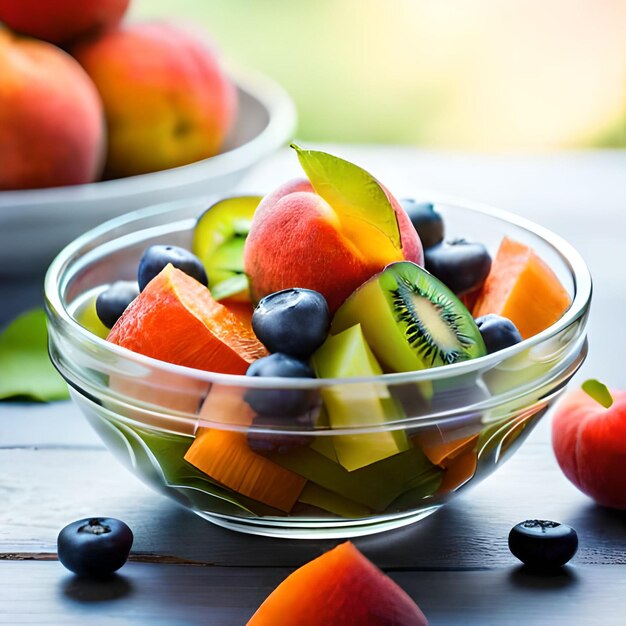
218, 240
411, 320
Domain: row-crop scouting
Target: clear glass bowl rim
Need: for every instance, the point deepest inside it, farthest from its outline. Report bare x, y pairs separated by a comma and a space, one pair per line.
58, 314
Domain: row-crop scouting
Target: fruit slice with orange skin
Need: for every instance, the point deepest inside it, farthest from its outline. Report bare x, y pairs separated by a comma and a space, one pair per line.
342, 588
175, 319
522, 288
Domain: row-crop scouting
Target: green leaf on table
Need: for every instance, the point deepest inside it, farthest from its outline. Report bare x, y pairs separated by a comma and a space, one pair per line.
25, 367
598, 391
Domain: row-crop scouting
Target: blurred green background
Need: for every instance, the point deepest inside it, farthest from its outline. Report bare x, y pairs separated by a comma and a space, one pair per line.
511, 75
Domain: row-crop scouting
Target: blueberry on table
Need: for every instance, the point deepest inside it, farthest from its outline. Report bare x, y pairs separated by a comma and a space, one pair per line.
543, 545
94, 547
156, 257
426, 221
278, 402
497, 332
292, 321
113, 301
461, 265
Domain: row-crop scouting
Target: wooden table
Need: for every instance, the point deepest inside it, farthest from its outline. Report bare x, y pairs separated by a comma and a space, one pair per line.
455, 563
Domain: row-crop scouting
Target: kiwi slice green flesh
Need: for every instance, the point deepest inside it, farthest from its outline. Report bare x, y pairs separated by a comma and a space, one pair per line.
220, 234
411, 320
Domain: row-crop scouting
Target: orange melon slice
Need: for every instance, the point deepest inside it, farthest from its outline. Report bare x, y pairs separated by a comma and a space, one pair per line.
341, 588
456, 457
459, 469
225, 456
437, 450
521, 287
175, 319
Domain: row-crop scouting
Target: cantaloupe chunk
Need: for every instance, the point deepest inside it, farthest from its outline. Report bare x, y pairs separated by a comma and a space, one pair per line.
225, 405
339, 588
226, 457
456, 457
522, 287
459, 468
438, 451
175, 319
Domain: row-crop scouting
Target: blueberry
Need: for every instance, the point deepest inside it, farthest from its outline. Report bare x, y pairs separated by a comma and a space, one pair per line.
277, 443
156, 257
280, 403
426, 221
94, 547
543, 545
460, 265
292, 321
498, 332
111, 303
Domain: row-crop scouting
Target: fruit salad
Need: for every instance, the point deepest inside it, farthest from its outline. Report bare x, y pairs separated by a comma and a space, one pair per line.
328, 278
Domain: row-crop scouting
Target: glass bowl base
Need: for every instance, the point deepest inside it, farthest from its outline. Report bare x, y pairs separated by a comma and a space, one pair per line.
317, 529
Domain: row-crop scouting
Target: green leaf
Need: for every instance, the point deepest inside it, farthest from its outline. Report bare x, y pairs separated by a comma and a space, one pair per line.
25, 368
598, 391
356, 196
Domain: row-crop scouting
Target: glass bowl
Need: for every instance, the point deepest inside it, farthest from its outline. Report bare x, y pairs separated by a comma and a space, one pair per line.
449, 427
49, 219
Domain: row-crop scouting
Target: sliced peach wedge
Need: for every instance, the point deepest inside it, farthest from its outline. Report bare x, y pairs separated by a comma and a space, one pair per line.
329, 232
175, 319
343, 588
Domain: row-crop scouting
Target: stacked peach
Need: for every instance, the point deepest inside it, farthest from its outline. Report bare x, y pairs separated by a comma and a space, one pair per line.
83, 96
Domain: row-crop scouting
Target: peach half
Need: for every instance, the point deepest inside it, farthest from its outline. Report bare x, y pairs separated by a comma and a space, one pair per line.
51, 121
167, 100
329, 233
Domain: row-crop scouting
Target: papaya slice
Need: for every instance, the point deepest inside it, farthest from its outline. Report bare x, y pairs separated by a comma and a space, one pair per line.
175, 319
459, 469
225, 456
521, 287
243, 310
342, 588
437, 450
225, 405
456, 457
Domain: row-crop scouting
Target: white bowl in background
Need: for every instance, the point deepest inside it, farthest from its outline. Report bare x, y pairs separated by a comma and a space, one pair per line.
36, 224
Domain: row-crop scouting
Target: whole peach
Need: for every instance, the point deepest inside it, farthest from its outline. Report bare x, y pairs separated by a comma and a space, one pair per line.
51, 120
166, 99
296, 240
62, 21
589, 442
